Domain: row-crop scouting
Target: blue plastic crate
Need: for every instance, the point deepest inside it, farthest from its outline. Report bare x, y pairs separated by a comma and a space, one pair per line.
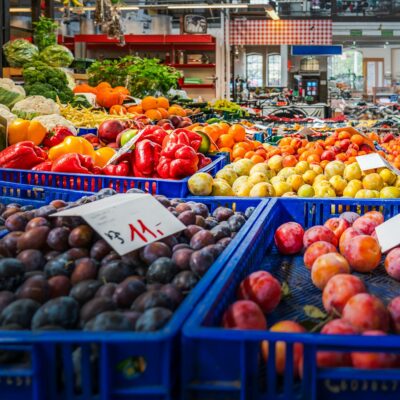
227, 364
53, 368
93, 183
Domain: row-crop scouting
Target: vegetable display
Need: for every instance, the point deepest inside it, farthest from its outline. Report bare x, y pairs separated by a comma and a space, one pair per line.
20, 52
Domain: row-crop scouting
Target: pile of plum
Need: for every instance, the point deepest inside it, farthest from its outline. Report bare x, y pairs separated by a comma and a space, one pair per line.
56, 273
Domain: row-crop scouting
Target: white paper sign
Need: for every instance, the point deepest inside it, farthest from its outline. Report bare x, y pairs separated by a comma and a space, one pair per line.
388, 233
127, 222
371, 161
305, 132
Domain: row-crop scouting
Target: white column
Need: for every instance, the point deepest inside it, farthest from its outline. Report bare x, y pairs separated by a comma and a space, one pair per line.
284, 64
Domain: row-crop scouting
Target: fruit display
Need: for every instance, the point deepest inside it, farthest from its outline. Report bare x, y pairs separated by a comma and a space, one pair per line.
344, 273
58, 274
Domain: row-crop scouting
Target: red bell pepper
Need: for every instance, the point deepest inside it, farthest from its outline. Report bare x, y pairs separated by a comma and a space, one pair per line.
73, 163
153, 133
182, 164
56, 136
193, 137
121, 169
203, 160
22, 155
145, 158
44, 166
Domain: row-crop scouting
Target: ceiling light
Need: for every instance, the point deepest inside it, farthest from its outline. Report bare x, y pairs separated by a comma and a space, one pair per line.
20, 9
271, 12
204, 6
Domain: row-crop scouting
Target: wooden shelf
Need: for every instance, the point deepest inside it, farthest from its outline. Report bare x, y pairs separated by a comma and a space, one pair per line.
192, 66
197, 86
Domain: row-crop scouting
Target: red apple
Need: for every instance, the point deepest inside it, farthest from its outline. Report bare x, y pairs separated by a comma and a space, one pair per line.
289, 238
344, 144
337, 226
349, 216
319, 233
109, 130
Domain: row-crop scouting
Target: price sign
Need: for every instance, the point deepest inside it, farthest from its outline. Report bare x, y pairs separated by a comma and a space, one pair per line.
306, 132
388, 233
371, 161
127, 222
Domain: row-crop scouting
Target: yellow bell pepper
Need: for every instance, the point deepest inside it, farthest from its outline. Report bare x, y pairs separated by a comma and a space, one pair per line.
103, 155
72, 144
20, 130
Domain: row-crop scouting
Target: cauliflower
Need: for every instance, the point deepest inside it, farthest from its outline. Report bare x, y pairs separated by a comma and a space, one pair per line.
34, 106
53, 120
10, 93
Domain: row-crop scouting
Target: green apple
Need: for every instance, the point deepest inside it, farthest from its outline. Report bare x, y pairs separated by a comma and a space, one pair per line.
128, 135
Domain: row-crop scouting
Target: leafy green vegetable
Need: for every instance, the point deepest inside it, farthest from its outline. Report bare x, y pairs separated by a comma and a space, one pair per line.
142, 76
45, 33
57, 56
40, 79
19, 52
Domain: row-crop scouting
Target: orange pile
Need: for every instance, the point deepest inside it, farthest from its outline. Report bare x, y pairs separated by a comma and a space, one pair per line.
154, 108
232, 139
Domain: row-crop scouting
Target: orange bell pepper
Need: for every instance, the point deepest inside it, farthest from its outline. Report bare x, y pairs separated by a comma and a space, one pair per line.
103, 155
21, 130
72, 144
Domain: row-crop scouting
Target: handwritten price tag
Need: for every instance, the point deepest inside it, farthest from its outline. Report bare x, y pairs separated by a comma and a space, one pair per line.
371, 161
128, 222
388, 233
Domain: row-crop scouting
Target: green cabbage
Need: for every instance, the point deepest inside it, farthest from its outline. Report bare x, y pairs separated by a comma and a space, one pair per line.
18, 52
57, 56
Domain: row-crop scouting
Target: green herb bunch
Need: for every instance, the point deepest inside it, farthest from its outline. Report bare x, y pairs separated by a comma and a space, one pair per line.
142, 76
45, 33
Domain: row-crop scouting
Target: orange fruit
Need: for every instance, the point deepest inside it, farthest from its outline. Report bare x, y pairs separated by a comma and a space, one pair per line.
249, 154
226, 140
257, 159
149, 103
154, 115
261, 152
177, 110
286, 141
257, 143
118, 110
238, 152
164, 113
357, 139
135, 109
162, 102
313, 158
289, 161
341, 157
224, 127
344, 135
324, 163
238, 132
304, 155
244, 145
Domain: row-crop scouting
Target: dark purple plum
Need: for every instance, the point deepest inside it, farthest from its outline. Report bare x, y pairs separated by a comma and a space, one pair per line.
6, 298
185, 281
96, 306
81, 236
201, 261
115, 271
35, 288
62, 311
201, 239
57, 238
16, 222
59, 285
220, 231
154, 251
187, 218
19, 312
161, 270
153, 319
106, 290
60, 265
181, 258
173, 293
109, 321
180, 246
35, 238
127, 292
152, 299
11, 273
236, 222
10, 241
180, 207
32, 259
84, 291
191, 230
100, 249
222, 213
85, 268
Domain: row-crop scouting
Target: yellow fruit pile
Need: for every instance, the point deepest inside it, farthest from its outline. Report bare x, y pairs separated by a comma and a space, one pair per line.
243, 178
